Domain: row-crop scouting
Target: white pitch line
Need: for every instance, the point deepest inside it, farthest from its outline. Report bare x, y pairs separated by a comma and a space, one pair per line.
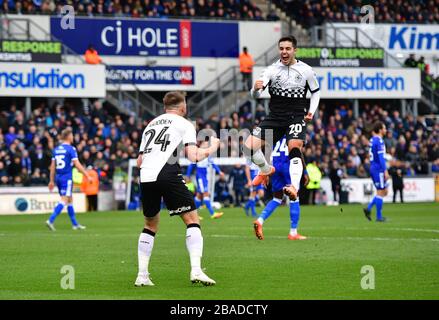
334, 238
415, 229
367, 228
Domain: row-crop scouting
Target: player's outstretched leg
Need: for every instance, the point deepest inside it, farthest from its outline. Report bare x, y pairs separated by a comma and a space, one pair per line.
295, 216
194, 244
367, 211
296, 170
251, 205
379, 204
258, 158
146, 243
197, 202
247, 207
266, 213
253, 208
72, 216
263, 177
56, 212
213, 214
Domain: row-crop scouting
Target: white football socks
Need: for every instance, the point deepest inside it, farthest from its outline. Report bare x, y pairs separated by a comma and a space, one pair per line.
146, 242
194, 245
258, 158
296, 170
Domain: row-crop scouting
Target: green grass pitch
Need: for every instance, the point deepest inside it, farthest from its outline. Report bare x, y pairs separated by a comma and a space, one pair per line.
403, 252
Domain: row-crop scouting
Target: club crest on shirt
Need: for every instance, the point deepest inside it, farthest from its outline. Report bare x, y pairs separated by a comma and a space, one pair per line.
256, 131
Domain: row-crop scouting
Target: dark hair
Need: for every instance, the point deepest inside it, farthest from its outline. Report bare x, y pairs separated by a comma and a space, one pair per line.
172, 99
291, 39
377, 126
65, 133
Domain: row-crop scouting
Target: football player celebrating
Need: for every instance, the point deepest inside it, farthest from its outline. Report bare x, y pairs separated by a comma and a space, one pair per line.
161, 177
288, 82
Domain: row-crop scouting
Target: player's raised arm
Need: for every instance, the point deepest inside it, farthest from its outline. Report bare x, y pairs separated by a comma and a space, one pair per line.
194, 153
314, 88
261, 83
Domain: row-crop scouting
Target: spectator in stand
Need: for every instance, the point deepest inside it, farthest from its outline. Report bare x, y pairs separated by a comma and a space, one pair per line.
309, 13
246, 64
147, 8
272, 16
422, 65
411, 62
108, 139
38, 178
222, 193
335, 175
239, 181
10, 136
4, 177
397, 173
91, 189
26, 162
91, 56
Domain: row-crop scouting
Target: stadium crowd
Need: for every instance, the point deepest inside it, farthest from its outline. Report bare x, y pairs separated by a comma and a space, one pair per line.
311, 12
339, 139
106, 140
227, 9
103, 140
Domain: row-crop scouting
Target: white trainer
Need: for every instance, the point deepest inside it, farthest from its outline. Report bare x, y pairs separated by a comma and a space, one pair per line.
79, 227
201, 277
143, 281
51, 226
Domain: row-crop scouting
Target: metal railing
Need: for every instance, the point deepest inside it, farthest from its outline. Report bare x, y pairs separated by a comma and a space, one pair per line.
225, 93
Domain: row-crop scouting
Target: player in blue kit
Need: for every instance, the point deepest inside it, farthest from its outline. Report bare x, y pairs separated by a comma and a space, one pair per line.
256, 192
203, 194
378, 170
280, 181
63, 159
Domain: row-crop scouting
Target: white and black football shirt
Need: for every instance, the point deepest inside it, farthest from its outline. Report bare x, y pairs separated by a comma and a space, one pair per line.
288, 86
160, 139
